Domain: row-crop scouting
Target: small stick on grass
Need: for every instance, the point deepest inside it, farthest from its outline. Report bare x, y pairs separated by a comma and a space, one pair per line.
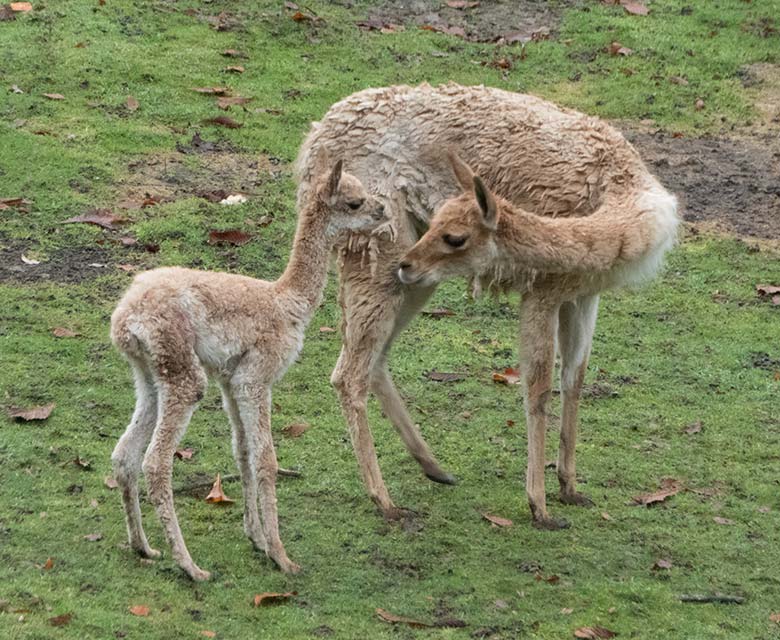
719, 598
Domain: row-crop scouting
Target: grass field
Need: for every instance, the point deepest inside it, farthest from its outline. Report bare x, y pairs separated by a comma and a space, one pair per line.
697, 346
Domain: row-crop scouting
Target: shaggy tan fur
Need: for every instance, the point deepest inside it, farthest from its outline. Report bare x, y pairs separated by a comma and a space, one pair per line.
176, 325
560, 266
540, 157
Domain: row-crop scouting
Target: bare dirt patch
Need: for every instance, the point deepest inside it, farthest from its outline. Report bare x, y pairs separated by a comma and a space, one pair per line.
733, 184
195, 172
69, 265
762, 83
486, 22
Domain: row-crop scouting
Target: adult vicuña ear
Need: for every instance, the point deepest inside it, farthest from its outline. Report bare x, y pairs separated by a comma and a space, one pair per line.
487, 202
335, 178
462, 171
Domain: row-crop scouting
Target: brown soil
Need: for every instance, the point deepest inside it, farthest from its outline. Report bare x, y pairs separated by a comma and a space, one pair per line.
730, 184
69, 265
195, 173
487, 22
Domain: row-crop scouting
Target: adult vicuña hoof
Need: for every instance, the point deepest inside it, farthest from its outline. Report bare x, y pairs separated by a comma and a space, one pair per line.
442, 477
551, 524
577, 499
198, 574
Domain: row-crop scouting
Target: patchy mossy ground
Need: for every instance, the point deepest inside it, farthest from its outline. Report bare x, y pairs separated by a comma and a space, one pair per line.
697, 345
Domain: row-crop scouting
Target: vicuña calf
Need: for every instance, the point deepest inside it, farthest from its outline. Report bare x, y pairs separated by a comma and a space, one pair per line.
559, 265
174, 325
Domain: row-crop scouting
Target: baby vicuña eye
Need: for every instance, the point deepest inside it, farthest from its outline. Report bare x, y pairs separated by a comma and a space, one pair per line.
355, 205
454, 241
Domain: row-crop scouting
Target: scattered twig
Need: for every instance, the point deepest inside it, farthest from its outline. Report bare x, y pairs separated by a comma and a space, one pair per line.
702, 598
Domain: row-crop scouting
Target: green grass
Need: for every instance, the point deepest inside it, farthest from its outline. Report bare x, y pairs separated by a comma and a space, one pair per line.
676, 352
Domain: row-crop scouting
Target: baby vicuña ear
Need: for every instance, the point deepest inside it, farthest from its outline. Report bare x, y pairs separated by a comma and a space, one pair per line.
335, 178
462, 171
487, 202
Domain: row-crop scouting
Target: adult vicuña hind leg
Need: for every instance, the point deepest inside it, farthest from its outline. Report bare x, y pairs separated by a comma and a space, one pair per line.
576, 323
128, 454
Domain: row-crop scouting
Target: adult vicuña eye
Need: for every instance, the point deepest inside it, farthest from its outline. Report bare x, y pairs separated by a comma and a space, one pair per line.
355, 205
455, 241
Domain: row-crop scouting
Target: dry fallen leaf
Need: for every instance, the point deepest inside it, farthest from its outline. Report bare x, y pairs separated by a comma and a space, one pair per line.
236, 68
110, 482
17, 203
669, 487
34, 413
496, 521
774, 617
213, 91
29, 261
216, 495
23, 7
100, 217
661, 563
441, 376
719, 520
262, 599
208, 634
593, 633
394, 619
461, 4
605, 516
617, 49
231, 236
699, 104
93, 537
132, 104
508, 376
48, 564
300, 16
764, 509
184, 454
234, 53
694, 427
441, 312
226, 102
636, 9
295, 430
327, 330
139, 610
769, 291
62, 332
63, 619
223, 121
54, 96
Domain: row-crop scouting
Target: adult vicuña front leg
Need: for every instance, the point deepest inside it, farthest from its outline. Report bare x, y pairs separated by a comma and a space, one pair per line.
129, 451
577, 321
393, 405
538, 320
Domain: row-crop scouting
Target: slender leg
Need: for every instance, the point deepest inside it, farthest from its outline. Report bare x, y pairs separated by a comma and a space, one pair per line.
242, 452
538, 319
254, 409
391, 401
177, 400
128, 455
577, 321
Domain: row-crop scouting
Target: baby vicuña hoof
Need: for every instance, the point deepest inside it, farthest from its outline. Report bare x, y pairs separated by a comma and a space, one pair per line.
577, 499
148, 552
551, 524
198, 574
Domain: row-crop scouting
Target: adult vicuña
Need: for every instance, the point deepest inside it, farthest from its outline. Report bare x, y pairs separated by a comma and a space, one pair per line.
543, 158
174, 325
559, 265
